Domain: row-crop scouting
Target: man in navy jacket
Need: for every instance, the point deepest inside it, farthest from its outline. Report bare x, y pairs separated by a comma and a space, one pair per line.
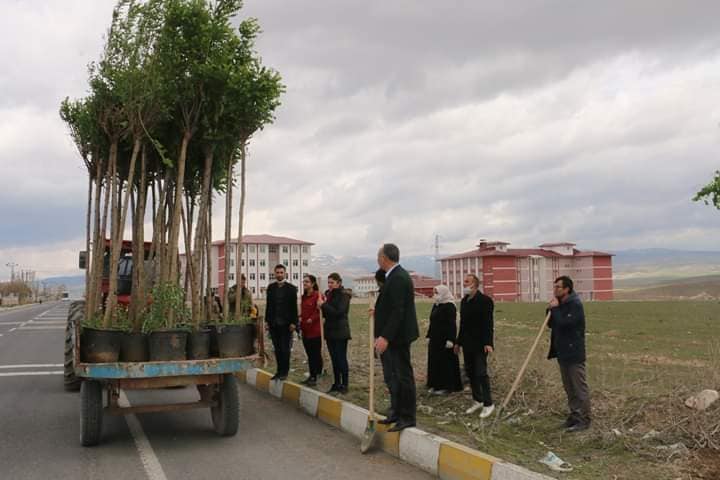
567, 344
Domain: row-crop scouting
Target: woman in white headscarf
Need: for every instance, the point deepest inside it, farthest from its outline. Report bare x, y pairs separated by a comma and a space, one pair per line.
443, 372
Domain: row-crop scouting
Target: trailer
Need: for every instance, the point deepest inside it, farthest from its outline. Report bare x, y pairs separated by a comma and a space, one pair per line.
102, 385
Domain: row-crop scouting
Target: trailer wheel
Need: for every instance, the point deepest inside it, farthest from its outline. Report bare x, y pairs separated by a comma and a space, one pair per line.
91, 413
225, 415
76, 316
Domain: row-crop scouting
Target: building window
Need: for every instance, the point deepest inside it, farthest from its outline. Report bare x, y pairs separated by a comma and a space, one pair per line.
252, 276
273, 248
262, 276
262, 262
261, 248
252, 248
284, 249
285, 262
242, 262
296, 263
305, 263
232, 263
252, 262
295, 248
231, 277
253, 290
305, 249
296, 276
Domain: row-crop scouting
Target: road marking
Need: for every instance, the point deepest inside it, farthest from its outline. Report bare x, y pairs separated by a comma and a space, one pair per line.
32, 365
11, 323
48, 322
43, 327
12, 329
23, 374
147, 455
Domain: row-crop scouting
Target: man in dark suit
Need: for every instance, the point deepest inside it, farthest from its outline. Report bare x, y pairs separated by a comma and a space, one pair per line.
396, 328
281, 317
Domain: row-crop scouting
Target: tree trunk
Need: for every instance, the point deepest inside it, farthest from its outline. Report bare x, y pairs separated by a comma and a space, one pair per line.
138, 297
177, 207
90, 285
228, 233
208, 261
201, 234
118, 240
241, 212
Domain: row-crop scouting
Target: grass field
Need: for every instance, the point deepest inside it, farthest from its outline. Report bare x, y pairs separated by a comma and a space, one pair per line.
644, 359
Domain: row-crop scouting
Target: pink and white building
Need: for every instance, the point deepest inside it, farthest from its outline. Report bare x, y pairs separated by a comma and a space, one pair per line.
260, 254
527, 274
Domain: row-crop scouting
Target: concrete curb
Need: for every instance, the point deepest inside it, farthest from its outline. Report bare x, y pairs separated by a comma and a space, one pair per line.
436, 455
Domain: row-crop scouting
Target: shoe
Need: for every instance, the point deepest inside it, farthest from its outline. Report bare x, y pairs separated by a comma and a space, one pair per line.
334, 388
343, 389
282, 378
311, 382
578, 427
475, 407
275, 377
569, 422
439, 392
431, 390
388, 421
399, 426
306, 381
487, 411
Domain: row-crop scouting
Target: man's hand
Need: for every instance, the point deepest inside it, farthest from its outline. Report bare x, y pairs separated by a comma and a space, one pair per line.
381, 345
456, 349
449, 344
488, 349
553, 303
292, 327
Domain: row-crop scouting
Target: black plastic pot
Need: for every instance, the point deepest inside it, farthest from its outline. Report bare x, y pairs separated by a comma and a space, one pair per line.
164, 345
100, 346
213, 349
198, 347
134, 348
236, 340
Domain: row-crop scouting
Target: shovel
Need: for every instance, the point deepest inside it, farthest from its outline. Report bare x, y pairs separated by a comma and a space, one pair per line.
369, 435
522, 369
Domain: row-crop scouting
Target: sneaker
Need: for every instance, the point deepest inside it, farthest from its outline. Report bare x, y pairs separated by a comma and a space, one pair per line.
311, 382
487, 411
431, 390
343, 389
439, 392
578, 427
334, 388
475, 407
569, 422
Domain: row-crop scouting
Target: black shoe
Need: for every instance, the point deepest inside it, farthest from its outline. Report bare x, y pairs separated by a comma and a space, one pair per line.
275, 377
388, 421
311, 382
578, 427
401, 425
334, 388
569, 422
342, 389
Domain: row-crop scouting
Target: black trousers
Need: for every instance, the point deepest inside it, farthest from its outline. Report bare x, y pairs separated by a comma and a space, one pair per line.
476, 369
313, 348
282, 343
338, 357
386, 361
401, 382
576, 388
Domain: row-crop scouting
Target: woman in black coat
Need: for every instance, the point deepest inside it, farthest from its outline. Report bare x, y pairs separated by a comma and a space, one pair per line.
443, 372
335, 307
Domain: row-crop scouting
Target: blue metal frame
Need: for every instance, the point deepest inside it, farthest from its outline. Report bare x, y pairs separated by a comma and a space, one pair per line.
162, 369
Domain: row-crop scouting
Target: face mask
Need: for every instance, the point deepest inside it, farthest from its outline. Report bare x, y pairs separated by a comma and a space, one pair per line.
467, 290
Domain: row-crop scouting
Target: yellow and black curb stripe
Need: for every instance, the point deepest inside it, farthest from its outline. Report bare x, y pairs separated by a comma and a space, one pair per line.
436, 455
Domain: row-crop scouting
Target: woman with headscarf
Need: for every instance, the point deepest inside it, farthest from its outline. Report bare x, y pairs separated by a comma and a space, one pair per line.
443, 371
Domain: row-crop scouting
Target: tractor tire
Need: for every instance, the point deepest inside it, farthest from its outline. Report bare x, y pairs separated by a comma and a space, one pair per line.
76, 315
91, 412
226, 414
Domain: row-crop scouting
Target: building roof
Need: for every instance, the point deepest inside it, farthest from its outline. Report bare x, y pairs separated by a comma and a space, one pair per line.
558, 244
523, 252
265, 239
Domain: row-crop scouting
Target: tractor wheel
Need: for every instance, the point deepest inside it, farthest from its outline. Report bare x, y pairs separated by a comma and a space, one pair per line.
226, 414
75, 316
91, 412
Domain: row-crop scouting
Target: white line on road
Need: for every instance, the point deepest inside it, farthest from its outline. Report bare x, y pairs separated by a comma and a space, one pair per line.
43, 327
11, 323
23, 374
47, 322
12, 329
147, 455
32, 365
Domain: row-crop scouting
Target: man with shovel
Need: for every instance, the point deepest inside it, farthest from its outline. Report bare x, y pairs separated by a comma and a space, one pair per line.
567, 344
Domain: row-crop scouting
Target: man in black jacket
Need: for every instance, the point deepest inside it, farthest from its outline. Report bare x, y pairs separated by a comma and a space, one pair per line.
395, 329
281, 317
476, 340
567, 344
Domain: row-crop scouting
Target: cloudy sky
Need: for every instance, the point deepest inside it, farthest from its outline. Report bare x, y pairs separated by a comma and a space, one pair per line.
528, 122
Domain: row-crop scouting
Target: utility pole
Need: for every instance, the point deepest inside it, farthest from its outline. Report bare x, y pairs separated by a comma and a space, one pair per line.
12, 266
437, 256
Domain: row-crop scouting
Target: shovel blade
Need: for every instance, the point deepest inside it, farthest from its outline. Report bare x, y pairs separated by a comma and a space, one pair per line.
368, 437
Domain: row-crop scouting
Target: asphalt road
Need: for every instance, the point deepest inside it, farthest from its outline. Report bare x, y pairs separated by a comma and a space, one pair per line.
39, 426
